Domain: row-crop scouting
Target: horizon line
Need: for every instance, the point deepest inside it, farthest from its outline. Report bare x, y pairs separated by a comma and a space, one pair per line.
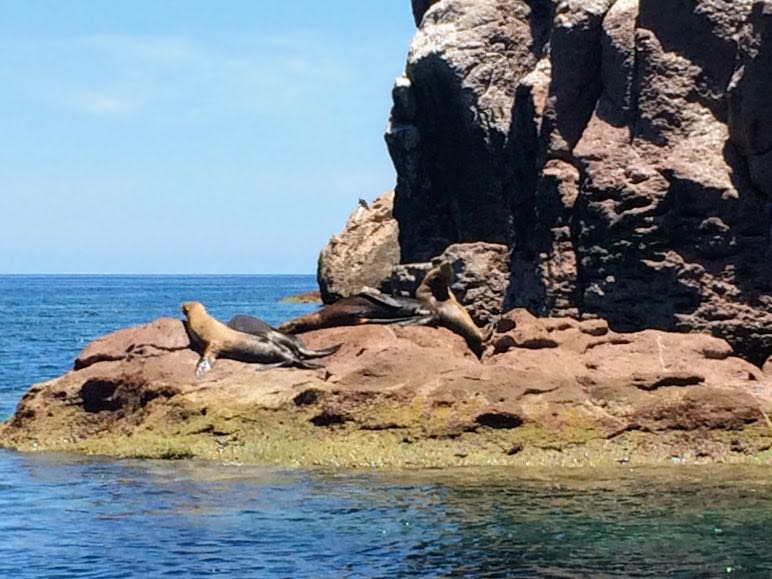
73, 274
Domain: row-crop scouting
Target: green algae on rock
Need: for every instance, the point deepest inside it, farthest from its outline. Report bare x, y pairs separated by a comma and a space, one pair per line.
552, 391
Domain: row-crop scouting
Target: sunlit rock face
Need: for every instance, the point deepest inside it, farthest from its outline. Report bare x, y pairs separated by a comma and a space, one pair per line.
363, 254
620, 149
547, 391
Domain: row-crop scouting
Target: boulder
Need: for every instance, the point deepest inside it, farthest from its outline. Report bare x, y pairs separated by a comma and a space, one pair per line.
363, 254
149, 340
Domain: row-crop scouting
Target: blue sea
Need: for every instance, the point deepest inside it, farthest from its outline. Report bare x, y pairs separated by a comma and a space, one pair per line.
75, 516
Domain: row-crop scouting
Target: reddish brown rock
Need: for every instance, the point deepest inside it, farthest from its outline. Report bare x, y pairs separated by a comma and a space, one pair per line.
153, 339
619, 148
363, 254
415, 396
628, 199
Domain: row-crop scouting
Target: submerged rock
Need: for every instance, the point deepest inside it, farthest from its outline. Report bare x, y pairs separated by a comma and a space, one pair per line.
556, 389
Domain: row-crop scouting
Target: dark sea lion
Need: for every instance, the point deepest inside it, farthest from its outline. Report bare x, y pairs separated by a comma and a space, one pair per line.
257, 327
369, 306
219, 341
434, 293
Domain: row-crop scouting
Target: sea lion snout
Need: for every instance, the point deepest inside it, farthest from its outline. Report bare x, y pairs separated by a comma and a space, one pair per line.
188, 307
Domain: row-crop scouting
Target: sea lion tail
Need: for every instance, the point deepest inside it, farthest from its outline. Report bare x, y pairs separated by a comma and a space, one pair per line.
319, 353
262, 367
427, 320
308, 365
401, 321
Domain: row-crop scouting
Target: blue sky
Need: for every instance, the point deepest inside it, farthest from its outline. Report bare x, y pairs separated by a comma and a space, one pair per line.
190, 136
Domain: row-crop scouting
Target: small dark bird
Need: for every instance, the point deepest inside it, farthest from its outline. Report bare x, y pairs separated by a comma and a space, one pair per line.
363, 204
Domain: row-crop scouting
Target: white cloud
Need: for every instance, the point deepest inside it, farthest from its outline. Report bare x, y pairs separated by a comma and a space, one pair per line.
119, 76
105, 104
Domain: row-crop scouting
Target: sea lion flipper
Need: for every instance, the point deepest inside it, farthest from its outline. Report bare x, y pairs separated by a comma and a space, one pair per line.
306, 365
204, 365
320, 353
426, 320
376, 296
263, 367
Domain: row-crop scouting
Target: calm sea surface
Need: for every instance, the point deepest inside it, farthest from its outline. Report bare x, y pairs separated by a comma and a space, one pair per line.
73, 516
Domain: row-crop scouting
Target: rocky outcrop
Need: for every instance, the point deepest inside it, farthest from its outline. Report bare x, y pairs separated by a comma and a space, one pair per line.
548, 391
620, 148
363, 254
154, 339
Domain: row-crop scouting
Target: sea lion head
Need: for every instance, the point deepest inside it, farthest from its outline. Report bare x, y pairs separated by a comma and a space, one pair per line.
439, 279
446, 271
191, 307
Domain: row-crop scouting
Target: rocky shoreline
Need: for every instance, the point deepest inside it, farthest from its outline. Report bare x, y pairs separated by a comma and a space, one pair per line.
552, 391
603, 165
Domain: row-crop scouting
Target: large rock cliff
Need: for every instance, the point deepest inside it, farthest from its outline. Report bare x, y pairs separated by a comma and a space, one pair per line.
622, 149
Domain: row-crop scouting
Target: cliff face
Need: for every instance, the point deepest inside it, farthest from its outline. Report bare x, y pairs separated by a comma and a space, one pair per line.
622, 149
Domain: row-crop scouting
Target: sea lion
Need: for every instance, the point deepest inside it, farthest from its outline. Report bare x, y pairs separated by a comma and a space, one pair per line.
257, 327
219, 341
434, 293
369, 306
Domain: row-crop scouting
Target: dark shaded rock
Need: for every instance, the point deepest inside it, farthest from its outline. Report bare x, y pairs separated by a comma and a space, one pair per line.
750, 106
499, 419
450, 124
124, 394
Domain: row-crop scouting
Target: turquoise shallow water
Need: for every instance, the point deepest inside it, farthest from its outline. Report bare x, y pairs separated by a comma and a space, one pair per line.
73, 516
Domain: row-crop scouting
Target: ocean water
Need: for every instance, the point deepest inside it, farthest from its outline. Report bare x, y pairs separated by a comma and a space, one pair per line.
75, 516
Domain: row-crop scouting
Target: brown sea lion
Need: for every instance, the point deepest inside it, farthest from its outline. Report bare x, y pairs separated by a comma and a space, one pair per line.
434, 293
219, 341
367, 307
